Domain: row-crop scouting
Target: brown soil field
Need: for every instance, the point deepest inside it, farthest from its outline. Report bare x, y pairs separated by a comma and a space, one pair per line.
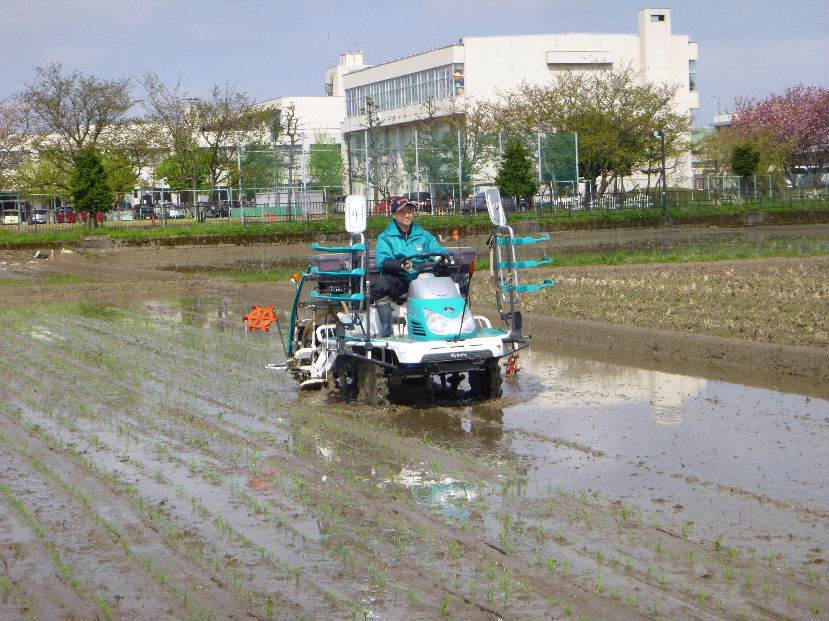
662, 453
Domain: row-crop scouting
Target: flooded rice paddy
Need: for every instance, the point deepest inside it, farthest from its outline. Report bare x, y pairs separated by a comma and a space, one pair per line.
153, 468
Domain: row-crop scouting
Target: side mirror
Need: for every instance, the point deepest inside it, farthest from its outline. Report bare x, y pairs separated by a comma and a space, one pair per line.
355, 213
495, 207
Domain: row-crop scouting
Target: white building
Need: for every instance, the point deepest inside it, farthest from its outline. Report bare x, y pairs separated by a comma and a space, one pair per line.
478, 67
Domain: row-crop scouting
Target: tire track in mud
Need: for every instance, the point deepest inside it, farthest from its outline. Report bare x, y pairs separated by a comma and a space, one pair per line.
431, 572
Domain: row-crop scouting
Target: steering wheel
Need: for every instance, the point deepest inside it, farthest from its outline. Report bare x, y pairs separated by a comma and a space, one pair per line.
443, 260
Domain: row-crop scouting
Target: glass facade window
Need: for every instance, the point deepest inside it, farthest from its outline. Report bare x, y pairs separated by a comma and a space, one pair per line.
692, 75
406, 90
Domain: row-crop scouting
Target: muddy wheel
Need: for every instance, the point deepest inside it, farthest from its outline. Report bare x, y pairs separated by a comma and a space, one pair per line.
342, 382
373, 385
486, 383
454, 381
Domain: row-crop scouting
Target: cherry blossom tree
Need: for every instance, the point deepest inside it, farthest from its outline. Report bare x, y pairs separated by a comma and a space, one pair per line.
796, 123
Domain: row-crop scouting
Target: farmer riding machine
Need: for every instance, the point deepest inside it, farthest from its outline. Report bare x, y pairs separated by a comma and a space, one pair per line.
333, 336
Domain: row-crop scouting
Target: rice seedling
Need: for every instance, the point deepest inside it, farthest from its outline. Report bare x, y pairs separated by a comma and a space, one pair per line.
443, 609
728, 572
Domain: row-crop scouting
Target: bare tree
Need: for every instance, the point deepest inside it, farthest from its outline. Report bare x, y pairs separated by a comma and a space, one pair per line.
71, 111
202, 131
13, 139
379, 166
284, 129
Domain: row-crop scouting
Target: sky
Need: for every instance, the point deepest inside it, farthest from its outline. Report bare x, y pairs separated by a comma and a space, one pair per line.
273, 48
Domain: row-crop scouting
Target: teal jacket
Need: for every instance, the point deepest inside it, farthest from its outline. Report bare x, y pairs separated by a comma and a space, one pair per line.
391, 244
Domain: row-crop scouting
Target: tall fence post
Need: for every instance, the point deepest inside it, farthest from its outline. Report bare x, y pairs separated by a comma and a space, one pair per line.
418, 187
460, 168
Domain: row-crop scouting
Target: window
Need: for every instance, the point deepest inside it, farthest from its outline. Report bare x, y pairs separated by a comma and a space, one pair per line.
692, 75
414, 88
657, 17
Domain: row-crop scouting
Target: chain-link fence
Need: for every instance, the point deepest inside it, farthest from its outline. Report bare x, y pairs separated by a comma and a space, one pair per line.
445, 170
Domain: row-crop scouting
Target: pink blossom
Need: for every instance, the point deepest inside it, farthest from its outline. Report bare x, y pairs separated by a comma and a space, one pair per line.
798, 119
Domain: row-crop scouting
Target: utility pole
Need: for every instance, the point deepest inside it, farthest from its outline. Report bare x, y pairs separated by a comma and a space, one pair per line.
460, 172
661, 134
239, 163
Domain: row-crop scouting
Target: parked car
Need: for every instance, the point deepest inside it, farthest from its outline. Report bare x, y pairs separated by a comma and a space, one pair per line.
38, 216
10, 216
99, 217
143, 211
65, 215
423, 200
170, 210
215, 210
474, 204
122, 215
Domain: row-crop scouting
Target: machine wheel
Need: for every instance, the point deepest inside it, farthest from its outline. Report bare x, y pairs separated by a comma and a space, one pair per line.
372, 383
343, 382
486, 383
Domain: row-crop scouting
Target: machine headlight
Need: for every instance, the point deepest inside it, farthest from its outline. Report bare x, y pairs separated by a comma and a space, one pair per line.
440, 324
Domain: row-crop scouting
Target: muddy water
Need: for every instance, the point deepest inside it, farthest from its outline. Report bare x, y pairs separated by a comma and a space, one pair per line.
573, 491
722, 459
745, 462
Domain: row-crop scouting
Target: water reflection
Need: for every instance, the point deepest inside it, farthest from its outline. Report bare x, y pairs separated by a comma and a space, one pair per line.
219, 314
482, 423
445, 493
724, 453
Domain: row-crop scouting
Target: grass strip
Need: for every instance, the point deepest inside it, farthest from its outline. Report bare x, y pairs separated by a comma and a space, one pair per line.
302, 229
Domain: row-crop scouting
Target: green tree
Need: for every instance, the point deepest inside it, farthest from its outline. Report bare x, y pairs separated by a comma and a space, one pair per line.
263, 167
440, 160
516, 176
181, 167
90, 188
42, 176
614, 115
744, 160
325, 162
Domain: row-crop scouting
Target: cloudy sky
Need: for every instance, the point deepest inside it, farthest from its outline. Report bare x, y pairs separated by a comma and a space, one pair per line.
271, 48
